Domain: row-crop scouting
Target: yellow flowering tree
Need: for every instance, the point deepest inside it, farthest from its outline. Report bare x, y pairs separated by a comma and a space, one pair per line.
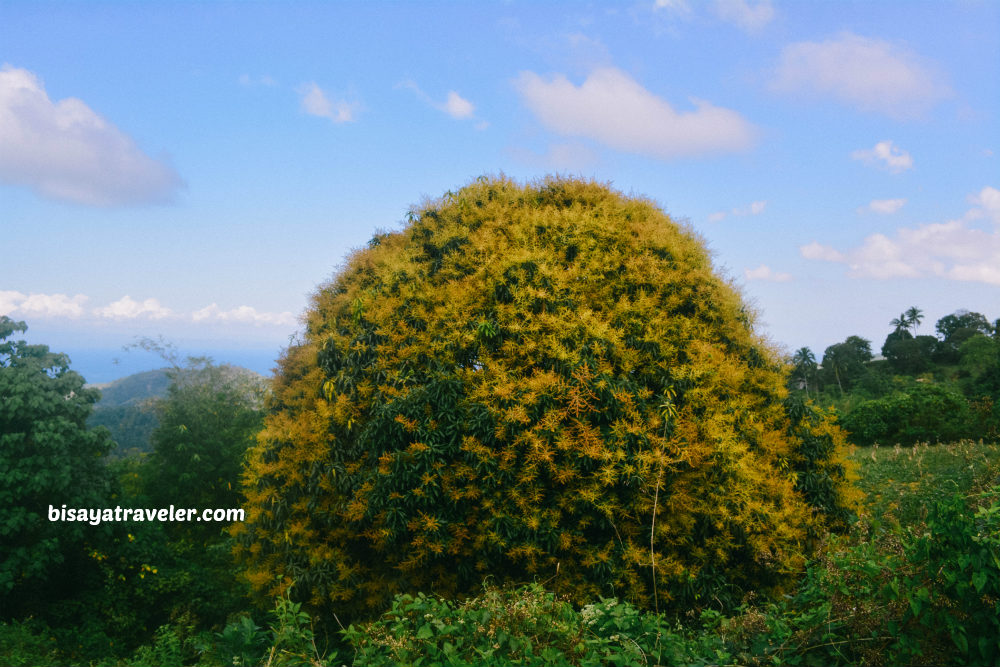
545, 381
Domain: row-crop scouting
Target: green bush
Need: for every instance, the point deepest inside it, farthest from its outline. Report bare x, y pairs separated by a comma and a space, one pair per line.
242, 643
923, 596
167, 650
28, 644
293, 643
526, 625
923, 413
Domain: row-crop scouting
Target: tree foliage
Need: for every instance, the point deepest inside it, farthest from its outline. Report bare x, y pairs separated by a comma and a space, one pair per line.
533, 381
961, 325
47, 457
844, 363
803, 368
907, 354
207, 421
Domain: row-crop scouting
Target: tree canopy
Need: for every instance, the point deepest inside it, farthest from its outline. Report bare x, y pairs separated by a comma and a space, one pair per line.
207, 421
545, 381
47, 457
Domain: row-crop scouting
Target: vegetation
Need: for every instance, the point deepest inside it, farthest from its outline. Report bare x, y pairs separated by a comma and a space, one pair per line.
127, 409
91, 589
923, 389
207, 421
532, 380
914, 582
522, 435
48, 458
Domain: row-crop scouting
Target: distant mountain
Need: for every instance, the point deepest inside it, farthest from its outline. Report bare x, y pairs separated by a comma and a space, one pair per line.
127, 407
134, 389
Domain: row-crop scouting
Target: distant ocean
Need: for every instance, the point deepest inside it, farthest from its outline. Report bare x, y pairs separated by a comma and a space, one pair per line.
98, 366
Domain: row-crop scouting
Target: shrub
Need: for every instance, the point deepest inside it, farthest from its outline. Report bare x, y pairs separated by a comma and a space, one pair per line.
926, 596
527, 380
27, 644
526, 625
242, 643
924, 413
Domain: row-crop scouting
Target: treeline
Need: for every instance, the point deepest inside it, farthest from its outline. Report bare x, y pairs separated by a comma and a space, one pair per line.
97, 591
920, 388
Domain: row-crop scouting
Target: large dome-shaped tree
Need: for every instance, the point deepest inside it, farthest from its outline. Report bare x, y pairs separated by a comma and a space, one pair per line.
545, 381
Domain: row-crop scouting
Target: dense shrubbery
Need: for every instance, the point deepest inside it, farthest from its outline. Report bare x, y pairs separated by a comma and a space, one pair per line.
897, 590
925, 413
922, 596
532, 379
526, 625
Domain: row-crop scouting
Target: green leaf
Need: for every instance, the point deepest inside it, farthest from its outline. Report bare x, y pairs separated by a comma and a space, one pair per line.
960, 641
979, 580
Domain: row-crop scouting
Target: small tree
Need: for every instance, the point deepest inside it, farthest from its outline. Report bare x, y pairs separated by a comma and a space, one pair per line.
48, 457
900, 324
961, 325
914, 316
804, 367
844, 363
207, 421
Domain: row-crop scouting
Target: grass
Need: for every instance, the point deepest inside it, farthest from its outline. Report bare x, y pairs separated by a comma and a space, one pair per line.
900, 483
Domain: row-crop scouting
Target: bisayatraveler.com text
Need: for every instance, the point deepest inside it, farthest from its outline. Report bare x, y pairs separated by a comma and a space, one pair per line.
95, 516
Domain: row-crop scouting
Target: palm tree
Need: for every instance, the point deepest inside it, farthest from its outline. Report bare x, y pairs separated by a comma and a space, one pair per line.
805, 365
900, 323
914, 316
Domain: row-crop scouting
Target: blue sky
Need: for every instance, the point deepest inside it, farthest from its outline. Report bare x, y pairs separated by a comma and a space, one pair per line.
195, 170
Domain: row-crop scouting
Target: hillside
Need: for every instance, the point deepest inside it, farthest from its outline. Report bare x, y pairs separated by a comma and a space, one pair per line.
127, 407
134, 389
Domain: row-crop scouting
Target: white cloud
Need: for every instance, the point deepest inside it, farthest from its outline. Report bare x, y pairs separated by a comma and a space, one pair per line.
988, 201
612, 108
316, 103
9, 301
884, 206
754, 208
892, 157
678, 6
242, 314
263, 80
454, 105
764, 272
817, 251
65, 151
866, 73
741, 14
457, 106
951, 250
41, 305
17, 304
127, 308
